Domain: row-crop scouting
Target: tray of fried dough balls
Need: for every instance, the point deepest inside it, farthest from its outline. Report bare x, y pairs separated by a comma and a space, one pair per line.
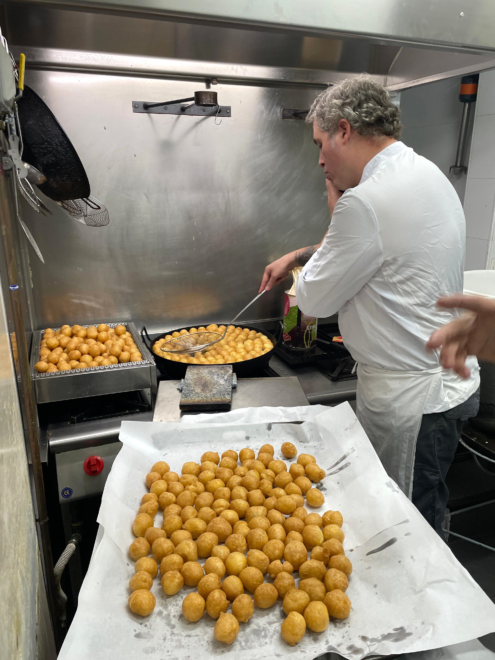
248, 534
64, 354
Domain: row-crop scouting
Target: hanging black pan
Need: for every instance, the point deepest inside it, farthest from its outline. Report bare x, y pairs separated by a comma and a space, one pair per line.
47, 147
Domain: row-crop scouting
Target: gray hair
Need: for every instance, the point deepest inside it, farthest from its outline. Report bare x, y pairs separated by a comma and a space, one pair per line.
363, 102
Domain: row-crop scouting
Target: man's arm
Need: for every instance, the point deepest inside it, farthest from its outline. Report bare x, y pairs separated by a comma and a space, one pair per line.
471, 334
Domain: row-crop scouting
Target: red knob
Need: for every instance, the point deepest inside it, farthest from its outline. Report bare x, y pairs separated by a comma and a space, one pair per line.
93, 465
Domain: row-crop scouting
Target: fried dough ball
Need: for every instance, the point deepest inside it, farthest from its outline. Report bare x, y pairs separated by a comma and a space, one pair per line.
246, 454
141, 580
175, 487
192, 572
251, 481
153, 533
162, 548
221, 528
319, 553
277, 493
236, 543
251, 578
275, 517
186, 498
231, 517
286, 504
214, 484
224, 474
172, 582
142, 602
314, 519
193, 607
241, 471
161, 467
283, 582
296, 553
341, 563
255, 511
235, 563
337, 604
332, 518
296, 470
234, 481
265, 458
316, 616
274, 549
210, 456
222, 494
220, 505
220, 551
239, 493
233, 587
214, 565
191, 468
149, 497
293, 536
292, 489
230, 453
298, 499
208, 583
276, 532
283, 479
303, 483
158, 487
206, 514
216, 603
277, 567
314, 497
256, 498
258, 559
226, 628
171, 563
334, 547
166, 499
289, 450
333, 532
306, 459
206, 476
265, 488
140, 547
243, 608
313, 587
293, 628
335, 579
295, 600
241, 527
277, 466
151, 477
259, 523
171, 524
141, 523
257, 539
180, 535
188, 512
312, 536
228, 462
265, 595
294, 524
146, 564
205, 499
312, 569
188, 480
268, 449
172, 510
270, 504
315, 472
208, 466
205, 543
170, 477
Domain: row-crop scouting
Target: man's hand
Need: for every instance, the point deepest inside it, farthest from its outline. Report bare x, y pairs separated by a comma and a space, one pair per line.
277, 271
333, 195
471, 334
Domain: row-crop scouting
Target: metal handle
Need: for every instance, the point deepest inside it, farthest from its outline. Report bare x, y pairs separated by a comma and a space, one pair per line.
22, 69
248, 305
145, 332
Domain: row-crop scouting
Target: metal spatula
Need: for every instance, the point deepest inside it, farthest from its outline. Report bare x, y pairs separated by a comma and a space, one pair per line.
200, 340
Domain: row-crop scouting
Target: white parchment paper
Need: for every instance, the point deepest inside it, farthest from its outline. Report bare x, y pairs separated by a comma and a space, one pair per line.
408, 591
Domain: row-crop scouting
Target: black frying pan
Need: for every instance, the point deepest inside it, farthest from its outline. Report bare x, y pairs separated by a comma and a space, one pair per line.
48, 148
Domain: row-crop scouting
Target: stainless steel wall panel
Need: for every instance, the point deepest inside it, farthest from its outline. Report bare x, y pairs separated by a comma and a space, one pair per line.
197, 208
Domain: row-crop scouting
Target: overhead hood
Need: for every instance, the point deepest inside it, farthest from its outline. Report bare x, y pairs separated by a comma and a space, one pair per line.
400, 42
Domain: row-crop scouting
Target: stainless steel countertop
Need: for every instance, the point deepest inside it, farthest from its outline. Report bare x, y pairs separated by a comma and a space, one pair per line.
317, 387
250, 392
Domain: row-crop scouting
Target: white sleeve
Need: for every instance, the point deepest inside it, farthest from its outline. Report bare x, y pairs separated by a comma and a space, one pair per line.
349, 256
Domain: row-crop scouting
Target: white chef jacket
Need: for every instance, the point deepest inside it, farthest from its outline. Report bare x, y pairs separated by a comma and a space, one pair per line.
395, 244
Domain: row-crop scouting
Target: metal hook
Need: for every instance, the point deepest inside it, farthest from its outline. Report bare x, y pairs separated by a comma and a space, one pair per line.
216, 116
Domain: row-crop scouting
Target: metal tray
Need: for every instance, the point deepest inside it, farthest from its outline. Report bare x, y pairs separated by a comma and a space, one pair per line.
95, 381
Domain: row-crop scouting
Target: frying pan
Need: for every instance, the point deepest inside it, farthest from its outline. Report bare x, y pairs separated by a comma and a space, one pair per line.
47, 147
176, 370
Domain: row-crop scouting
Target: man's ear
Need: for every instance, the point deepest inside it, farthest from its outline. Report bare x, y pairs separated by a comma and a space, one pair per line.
344, 130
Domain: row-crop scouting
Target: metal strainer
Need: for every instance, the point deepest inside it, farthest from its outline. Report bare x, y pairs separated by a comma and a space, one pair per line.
199, 341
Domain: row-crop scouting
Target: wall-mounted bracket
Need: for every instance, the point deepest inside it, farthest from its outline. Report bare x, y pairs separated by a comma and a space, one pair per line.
191, 110
294, 113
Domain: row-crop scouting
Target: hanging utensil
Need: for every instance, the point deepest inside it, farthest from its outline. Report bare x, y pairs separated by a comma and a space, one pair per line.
48, 149
200, 340
88, 211
25, 228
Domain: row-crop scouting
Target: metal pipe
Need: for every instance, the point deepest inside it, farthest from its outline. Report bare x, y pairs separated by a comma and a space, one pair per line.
470, 508
7, 220
465, 538
458, 167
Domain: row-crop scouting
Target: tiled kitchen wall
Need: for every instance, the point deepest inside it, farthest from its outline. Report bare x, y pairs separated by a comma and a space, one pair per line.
480, 190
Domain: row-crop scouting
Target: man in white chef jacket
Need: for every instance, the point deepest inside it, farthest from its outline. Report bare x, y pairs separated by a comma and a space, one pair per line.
395, 243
